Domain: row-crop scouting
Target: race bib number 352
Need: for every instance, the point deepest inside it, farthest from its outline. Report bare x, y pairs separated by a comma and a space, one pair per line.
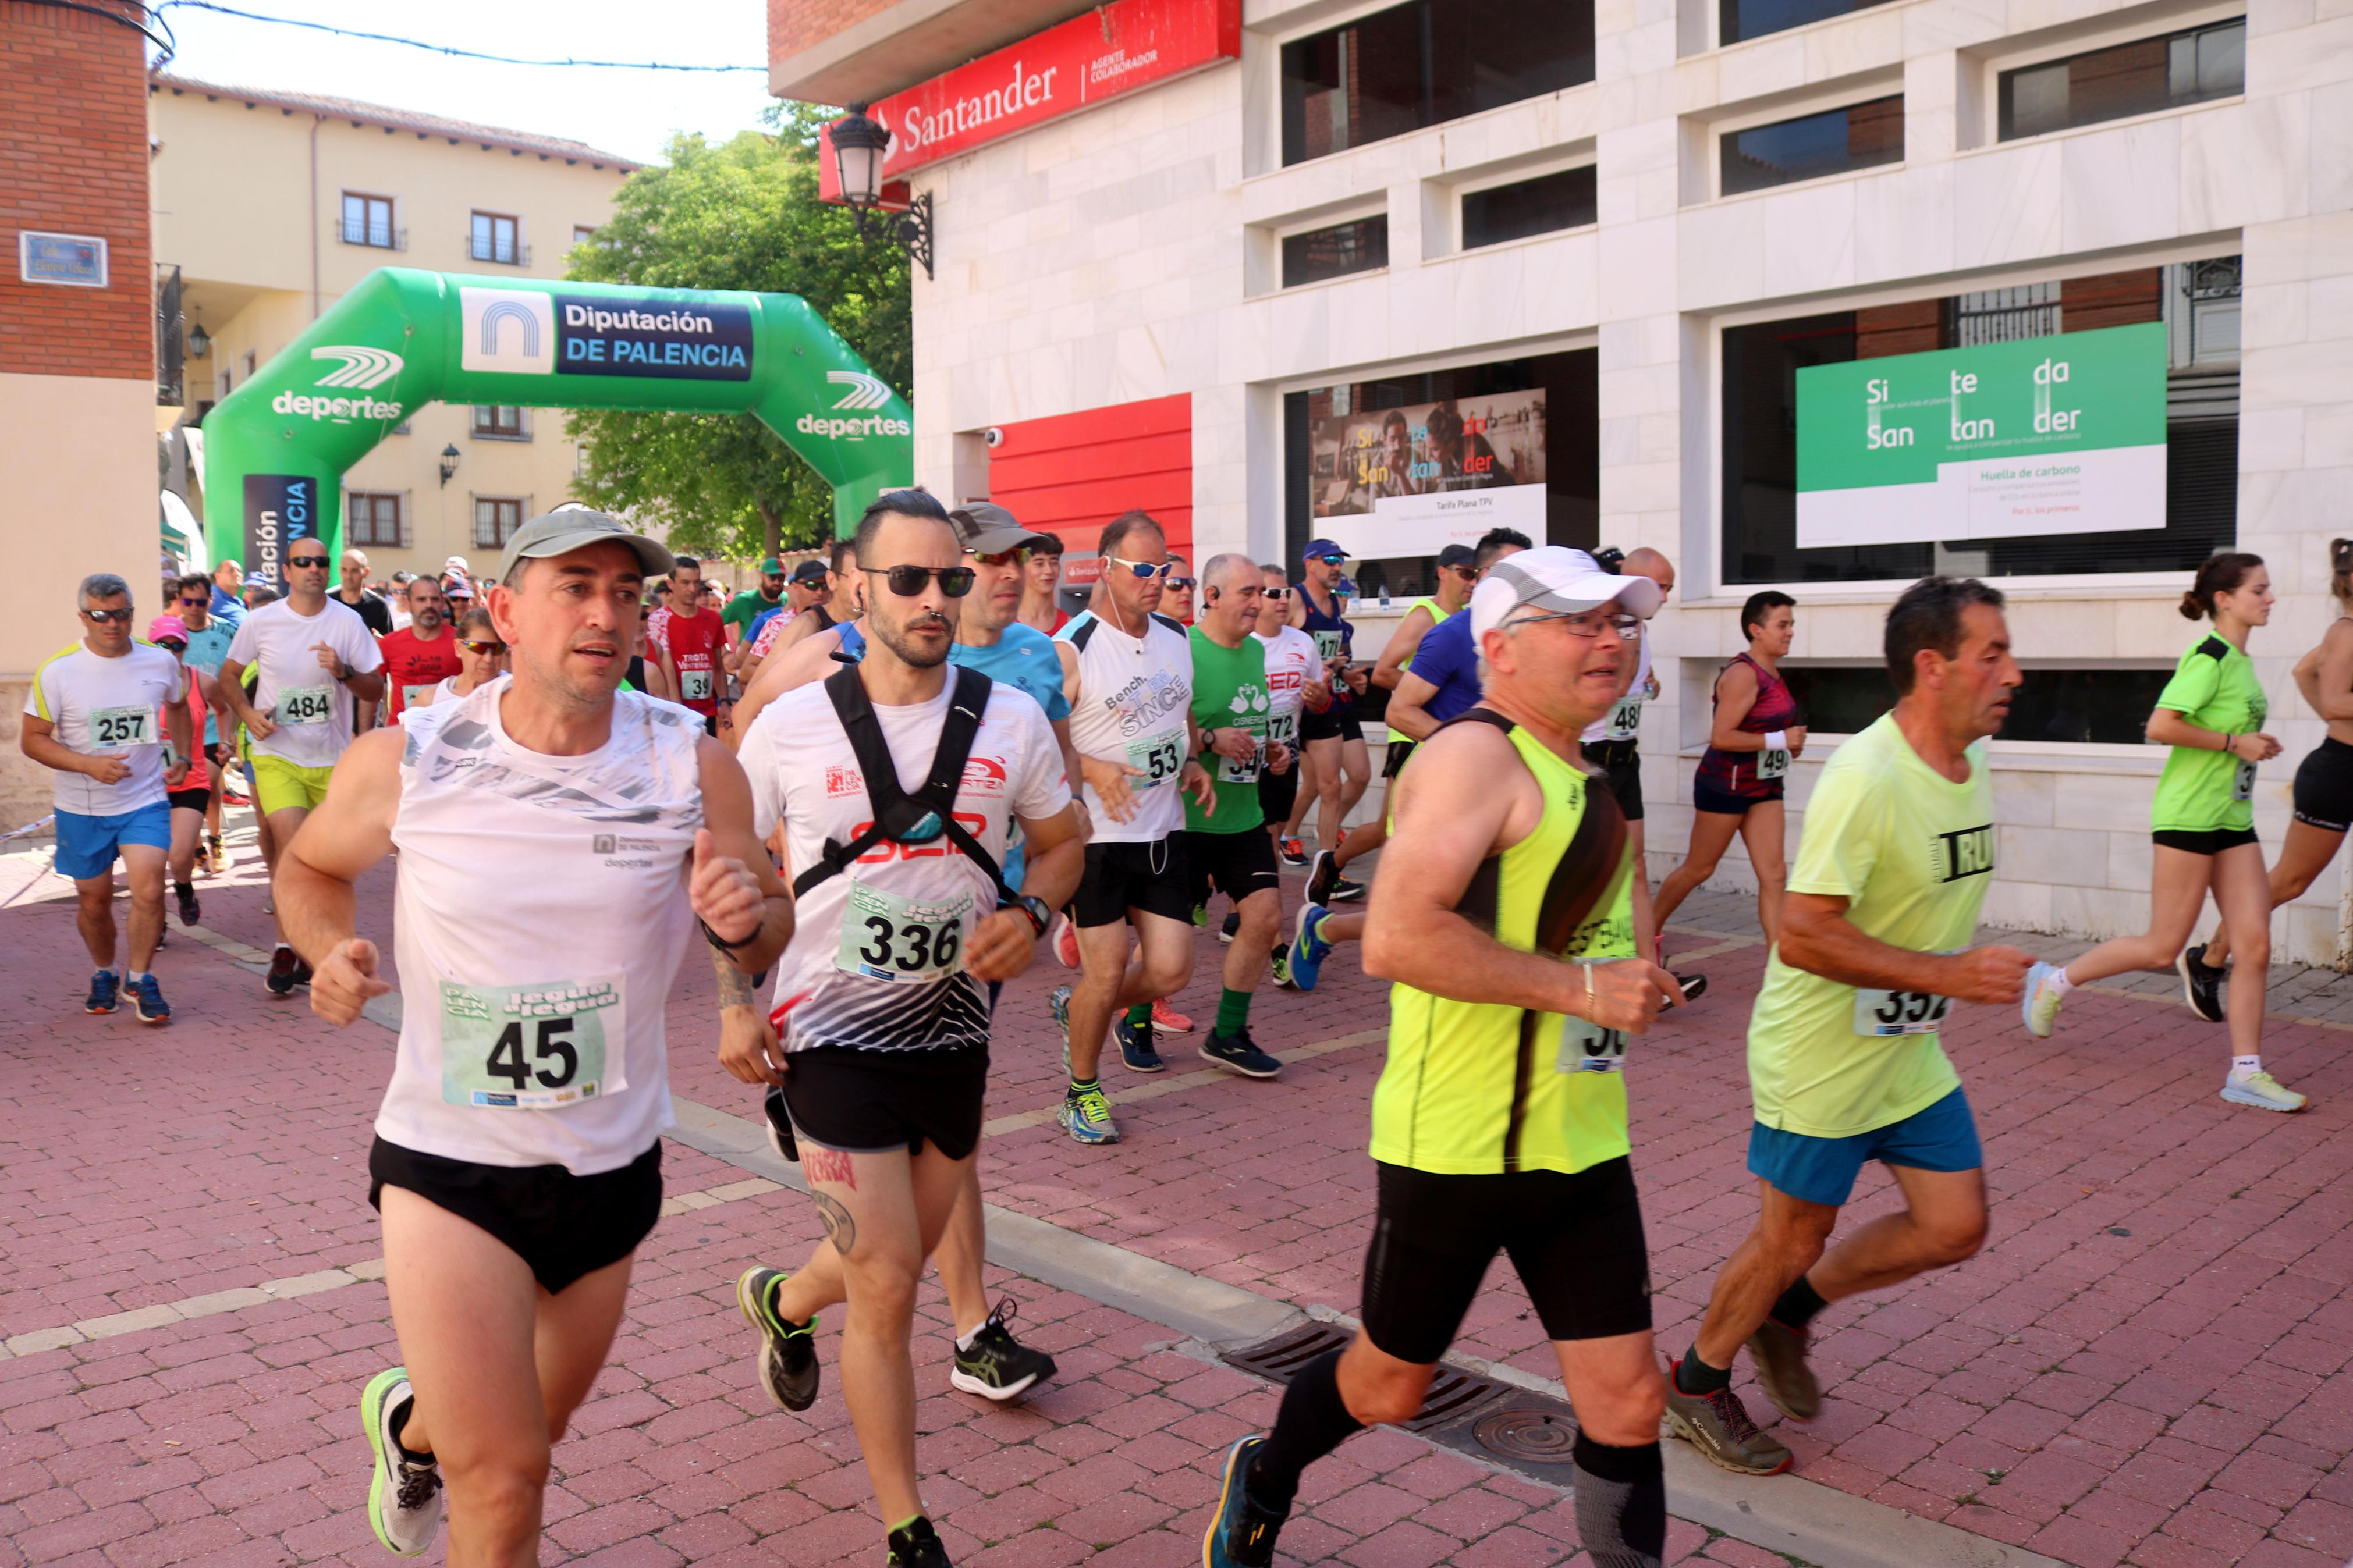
531, 1047
1899, 1012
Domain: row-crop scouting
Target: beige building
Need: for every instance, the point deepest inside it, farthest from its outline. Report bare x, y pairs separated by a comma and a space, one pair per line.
272, 205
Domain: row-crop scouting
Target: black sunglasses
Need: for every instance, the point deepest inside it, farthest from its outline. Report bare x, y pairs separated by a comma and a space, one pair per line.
907, 582
306, 561
1182, 581
119, 617
192, 603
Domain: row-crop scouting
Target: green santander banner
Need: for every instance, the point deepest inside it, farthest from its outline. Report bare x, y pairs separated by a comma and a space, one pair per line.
277, 448
2041, 435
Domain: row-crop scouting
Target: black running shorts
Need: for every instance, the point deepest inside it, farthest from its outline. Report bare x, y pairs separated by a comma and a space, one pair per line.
198, 800
2203, 841
1575, 1240
870, 1102
1239, 864
1335, 724
565, 1226
1399, 752
1622, 772
1150, 877
2324, 787
1278, 793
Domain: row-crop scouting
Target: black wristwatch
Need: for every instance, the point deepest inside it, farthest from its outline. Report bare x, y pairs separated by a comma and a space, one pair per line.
721, 943
1031, 904
1210, 740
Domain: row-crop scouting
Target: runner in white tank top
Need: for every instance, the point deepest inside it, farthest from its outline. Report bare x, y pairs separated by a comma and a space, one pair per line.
557, 845
1128, 672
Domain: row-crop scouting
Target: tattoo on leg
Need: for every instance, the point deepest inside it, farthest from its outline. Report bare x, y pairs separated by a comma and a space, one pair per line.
840, 1227
829, 1166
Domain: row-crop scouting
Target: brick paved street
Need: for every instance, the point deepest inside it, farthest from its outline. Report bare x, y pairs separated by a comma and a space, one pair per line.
2143, 1367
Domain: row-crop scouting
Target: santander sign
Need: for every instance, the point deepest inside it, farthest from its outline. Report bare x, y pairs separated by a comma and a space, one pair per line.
1087, 60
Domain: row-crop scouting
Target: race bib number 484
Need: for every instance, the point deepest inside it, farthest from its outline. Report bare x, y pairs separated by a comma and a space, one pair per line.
306, 705
531, 1047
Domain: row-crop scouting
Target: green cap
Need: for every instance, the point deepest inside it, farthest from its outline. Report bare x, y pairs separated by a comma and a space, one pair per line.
772, 567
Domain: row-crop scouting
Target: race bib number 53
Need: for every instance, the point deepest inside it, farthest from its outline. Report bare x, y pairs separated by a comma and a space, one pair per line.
1158, 757
531, 1047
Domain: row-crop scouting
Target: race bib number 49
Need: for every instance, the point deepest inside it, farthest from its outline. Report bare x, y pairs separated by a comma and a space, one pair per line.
1899, 1012
1159, 758
530, 1047
886, 937
119, 729
306, 704
1772, 763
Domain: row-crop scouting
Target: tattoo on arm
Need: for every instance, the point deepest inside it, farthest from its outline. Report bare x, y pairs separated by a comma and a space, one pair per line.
734, 985
840, 1227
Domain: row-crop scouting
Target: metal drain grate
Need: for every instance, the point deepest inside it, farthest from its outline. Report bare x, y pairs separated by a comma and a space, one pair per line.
1464, 1411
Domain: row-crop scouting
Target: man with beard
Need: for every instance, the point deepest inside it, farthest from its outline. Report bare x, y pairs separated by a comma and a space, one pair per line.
422, 656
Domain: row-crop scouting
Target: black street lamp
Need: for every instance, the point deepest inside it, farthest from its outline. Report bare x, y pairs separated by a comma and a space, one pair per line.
859, 144
449, 456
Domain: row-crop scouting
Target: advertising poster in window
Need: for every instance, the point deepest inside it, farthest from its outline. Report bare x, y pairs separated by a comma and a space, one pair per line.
1392, 482
2038, 436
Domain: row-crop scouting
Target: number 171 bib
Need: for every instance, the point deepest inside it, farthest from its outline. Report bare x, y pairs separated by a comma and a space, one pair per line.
532, 1047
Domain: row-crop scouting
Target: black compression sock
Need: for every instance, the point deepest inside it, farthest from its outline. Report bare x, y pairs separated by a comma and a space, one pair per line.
1314, 1421
1798, 1305
1621, 1503
1695, 1378
400, 1419
184, 888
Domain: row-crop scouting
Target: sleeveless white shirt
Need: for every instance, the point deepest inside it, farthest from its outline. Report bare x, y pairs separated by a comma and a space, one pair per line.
1133, 696
539, 917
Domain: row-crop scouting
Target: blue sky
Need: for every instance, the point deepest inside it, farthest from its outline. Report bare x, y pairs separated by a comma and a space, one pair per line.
630, 112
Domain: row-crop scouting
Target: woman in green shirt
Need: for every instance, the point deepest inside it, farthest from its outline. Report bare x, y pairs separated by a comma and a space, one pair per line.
2211, 714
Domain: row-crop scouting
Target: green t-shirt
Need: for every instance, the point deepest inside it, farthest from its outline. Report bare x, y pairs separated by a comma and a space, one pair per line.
1229, 693
2214, 687
743, 606
1913, 854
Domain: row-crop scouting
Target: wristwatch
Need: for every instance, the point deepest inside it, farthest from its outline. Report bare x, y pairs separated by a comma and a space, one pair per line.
1031, 904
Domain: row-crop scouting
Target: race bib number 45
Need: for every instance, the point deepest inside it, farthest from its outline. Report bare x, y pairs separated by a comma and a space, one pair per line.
886, 937
306, 704
1899, 1012
1159, 758
119, 729
531, 1047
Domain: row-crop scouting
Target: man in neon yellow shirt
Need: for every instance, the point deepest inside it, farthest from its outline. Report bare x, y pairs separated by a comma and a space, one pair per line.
1844, 1057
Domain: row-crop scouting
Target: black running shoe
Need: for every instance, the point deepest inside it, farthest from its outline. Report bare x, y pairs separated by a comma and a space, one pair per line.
1242, 1534
302, 972
997, 1366
283, 967
1293, 852
1239, 1053
1136, 1049
2201, 984
1232, 928
190, 910
788, 1365
1323, 878
917, 1545
1694, 987
1343, 891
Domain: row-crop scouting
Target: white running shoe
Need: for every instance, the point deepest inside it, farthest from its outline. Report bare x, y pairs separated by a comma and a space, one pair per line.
404, 1497
2263, 1091
2041, 1007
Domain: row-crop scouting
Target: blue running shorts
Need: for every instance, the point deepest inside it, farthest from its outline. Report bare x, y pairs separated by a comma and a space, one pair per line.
1943, 1137
86, 845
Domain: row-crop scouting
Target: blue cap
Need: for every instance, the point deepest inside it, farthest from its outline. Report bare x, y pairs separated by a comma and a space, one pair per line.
1317, 547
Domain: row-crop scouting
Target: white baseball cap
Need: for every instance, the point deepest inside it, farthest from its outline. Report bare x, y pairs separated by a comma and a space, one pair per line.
1555, 577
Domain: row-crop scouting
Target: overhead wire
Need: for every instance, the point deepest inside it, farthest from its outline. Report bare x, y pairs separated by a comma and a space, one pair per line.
451, 50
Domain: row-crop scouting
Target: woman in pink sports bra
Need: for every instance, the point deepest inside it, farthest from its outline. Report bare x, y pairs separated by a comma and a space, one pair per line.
1738, 788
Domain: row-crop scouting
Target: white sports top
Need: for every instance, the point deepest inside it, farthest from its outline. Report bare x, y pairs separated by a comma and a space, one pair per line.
1624, 720
1290, 659
1133, 695
538, 920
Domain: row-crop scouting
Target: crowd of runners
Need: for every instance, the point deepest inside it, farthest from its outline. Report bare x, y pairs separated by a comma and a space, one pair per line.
874, 788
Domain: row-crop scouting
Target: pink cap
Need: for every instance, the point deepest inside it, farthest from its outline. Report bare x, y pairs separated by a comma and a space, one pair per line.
164, 626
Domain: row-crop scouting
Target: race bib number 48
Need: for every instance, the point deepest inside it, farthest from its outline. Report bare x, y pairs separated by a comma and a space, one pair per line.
1625, 720
886, 937
1159, 758
530, 1047
306, 704
119, 729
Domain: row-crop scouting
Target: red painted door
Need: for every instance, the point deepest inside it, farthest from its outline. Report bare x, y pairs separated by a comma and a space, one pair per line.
1073, 473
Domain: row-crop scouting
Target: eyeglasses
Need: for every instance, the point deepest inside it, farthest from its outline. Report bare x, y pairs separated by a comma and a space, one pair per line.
1585, 623
907, 582
1017, 556
1182, 581
119, 617
306, 561
486, 649
1142, 569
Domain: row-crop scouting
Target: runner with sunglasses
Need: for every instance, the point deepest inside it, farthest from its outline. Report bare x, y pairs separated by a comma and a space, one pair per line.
318, 666
482, 658
208, 640
1128, 672
1339, 768
1295, 682
881, 995
1177, 590
193, 797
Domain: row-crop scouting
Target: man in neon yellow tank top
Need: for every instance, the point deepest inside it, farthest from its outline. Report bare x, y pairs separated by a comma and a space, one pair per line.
1844, 1056
1500, 1123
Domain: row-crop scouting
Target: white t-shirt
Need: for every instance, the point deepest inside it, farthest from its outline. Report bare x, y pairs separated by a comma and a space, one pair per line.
312, 708
1291, 663
876, 958
108, 707
1624, 720
1133, 696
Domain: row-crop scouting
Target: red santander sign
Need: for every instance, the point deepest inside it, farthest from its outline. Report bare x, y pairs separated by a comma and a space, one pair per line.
1087, 60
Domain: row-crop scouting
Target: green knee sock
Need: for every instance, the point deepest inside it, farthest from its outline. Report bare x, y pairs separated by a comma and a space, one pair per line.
1140, 1015
1233, 1010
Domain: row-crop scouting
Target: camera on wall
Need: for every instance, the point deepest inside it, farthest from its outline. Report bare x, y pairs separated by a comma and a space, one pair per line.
992, 435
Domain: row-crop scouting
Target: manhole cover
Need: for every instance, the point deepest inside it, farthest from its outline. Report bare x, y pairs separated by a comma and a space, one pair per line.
1525, 1436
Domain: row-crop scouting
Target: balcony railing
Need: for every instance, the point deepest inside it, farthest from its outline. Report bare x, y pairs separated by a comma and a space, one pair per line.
505, 252
380, 236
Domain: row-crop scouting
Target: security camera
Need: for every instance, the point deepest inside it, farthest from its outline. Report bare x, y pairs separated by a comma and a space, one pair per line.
992, 435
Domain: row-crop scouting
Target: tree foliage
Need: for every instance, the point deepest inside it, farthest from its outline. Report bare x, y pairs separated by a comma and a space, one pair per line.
744, 214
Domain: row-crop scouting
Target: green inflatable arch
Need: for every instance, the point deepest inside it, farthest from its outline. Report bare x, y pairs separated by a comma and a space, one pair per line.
277, 448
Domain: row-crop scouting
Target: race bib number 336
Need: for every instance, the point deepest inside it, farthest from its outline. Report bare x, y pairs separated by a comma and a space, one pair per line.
886, 937
531, 1047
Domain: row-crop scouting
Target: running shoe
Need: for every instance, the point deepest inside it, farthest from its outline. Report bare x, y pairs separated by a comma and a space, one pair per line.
2041, 1007
1238, 1054
2201, 984
1780, 1352
1242, 1534
1167, 1020
1308, 951
1232, 928
788, 1367
2261, 1091
1694, 987
1201, 916
1066, 945
1717, 1425
403, 1495
216, 859
283, 966
1135, 1047
1323, 878
148, 994
1085, 1115
302, 975
917, 1545
997, 1366
1294, 852
191, 912
1343, 891
1278, 964
105, 991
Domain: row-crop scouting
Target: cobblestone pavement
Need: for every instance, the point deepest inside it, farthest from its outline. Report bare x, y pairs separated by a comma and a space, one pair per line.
2143, 1367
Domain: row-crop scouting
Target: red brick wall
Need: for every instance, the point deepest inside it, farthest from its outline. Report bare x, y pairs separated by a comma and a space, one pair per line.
73, 158
795, 25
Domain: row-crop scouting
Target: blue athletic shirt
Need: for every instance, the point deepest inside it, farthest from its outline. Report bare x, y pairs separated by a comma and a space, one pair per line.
1448, 660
